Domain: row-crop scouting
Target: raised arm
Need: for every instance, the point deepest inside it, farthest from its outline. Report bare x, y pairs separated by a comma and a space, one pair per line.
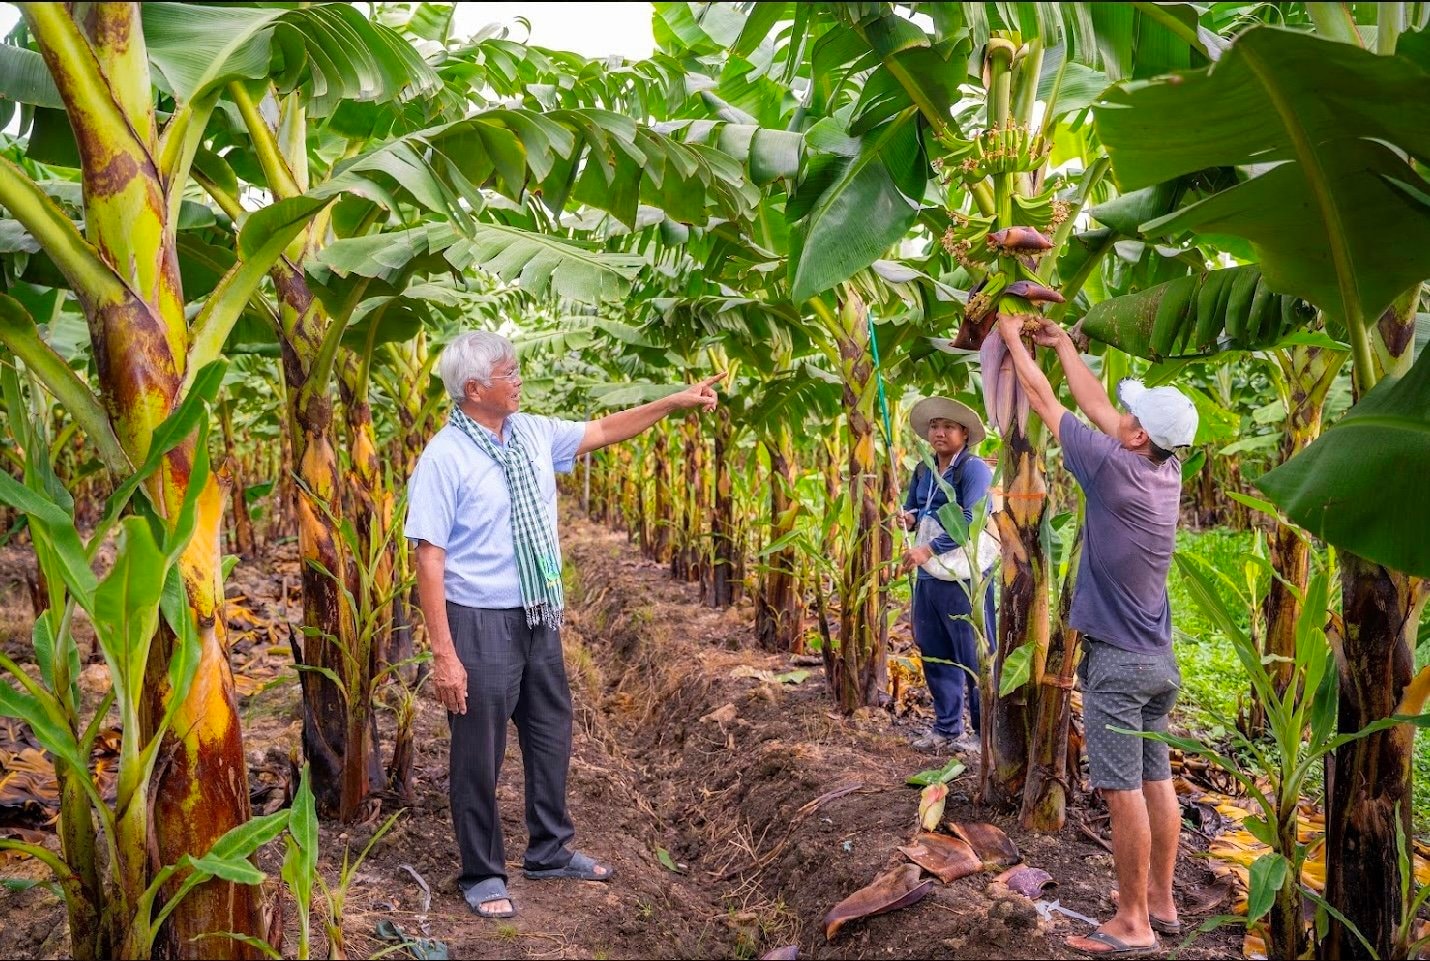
625, 424
1041, 396
1086, 388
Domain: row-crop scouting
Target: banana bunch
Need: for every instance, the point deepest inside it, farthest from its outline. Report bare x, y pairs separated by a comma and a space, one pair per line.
1233, 308
1043, 211
966, 237
1011, 147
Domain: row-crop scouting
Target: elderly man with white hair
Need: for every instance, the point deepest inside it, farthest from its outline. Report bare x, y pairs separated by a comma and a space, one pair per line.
482, 512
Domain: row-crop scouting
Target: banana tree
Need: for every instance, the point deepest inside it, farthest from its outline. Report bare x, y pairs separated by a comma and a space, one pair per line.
117, 903
124, 271
1294, 103
447, 171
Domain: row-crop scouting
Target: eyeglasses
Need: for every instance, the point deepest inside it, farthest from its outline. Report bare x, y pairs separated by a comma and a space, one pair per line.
514, 375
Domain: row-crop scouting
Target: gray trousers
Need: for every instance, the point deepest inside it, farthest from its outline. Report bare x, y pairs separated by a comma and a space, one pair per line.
514, 673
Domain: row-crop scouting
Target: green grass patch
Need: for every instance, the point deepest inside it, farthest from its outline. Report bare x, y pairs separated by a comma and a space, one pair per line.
1214, 684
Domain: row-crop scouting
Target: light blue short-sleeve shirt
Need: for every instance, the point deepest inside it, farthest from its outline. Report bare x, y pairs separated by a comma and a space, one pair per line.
457, 500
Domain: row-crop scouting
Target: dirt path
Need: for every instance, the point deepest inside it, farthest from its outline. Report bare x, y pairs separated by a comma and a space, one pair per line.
770, 806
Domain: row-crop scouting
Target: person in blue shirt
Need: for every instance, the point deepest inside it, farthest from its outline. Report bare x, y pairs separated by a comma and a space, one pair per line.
481, 510
953, 430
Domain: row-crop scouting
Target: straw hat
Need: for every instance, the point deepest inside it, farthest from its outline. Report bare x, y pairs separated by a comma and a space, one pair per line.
931, 408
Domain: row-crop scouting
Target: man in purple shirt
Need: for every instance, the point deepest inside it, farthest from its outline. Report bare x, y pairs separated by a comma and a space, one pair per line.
1132, 485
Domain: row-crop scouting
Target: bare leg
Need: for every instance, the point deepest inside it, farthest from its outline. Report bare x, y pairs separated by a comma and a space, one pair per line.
1164, 818
1131, 855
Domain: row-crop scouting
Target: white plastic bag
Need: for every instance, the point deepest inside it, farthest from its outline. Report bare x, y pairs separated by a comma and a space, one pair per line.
953, 565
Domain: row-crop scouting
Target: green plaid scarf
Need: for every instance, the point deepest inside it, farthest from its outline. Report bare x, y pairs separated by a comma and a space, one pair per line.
532, 532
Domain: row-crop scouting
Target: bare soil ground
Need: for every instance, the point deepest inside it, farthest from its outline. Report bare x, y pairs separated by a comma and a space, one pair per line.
769, 806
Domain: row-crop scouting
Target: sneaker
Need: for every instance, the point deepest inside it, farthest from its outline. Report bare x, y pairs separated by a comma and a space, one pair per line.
965, 744
933, 743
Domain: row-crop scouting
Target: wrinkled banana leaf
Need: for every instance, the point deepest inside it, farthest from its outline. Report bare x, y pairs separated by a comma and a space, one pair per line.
993, 848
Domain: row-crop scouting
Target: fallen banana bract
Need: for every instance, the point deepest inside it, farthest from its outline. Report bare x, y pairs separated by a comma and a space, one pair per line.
993, 848
1027, 881
946, 858
895, 889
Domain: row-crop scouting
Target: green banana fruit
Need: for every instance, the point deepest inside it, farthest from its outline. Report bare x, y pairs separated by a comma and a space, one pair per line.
1187, 316
1171, 312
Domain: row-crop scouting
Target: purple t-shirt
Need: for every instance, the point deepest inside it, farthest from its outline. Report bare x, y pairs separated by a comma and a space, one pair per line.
1128, 538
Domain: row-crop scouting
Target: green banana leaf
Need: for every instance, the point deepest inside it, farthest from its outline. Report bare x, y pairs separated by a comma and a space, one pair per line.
1377, 455
1320, 224
333, 48
868, 191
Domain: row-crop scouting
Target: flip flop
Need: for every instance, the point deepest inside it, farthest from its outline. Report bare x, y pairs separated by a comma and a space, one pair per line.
1162, 926
581, 867
486, 892
1116, 947
1171, 929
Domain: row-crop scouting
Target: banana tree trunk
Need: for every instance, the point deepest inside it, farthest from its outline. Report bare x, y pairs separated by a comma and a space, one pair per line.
630, 494
370, 502
663, 503
861, 664
1308, 373
140, 340
1022, 614
687, 564
90, 940
1046, 795
779, 612
242, 523
1286, 922
1368, 782
721, 592
284, 524
339, 771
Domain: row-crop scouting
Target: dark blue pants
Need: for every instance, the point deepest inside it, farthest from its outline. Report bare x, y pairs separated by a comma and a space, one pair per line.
938, 634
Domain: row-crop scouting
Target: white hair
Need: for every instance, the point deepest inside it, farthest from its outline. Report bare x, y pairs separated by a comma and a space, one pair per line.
471, 356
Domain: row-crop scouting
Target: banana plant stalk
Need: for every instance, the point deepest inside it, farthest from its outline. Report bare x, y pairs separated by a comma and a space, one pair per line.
124, 273
310, 341
779, 610
1369, 782
1046, 794
1307, 373
860, 666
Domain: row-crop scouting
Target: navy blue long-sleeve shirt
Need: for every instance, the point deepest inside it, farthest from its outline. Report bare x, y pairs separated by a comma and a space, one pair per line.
972, 486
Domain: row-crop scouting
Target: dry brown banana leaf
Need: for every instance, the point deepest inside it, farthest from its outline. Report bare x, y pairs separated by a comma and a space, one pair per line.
994, 848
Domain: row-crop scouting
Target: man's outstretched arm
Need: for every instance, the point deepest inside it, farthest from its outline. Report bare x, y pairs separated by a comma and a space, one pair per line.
1087, 389
625, 424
